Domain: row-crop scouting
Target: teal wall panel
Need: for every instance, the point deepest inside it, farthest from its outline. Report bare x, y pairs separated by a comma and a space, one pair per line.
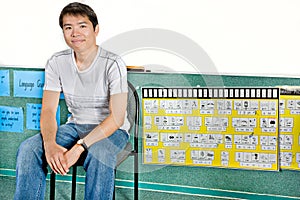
176, 182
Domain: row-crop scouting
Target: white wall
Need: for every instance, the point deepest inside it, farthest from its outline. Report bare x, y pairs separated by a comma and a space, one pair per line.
260, 37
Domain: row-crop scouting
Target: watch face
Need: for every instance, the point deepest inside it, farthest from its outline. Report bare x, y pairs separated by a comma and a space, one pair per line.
81, 142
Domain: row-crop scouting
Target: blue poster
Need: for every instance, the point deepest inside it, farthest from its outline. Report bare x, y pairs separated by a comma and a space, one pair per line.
4, 83
11, 119
29, 83
33, 114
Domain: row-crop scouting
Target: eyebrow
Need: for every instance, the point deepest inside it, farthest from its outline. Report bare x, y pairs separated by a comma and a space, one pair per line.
80, 23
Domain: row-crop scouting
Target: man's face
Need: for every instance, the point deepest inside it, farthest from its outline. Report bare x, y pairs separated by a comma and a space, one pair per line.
79, 33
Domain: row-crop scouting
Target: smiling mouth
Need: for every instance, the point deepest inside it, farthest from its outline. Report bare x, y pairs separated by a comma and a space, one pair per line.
76, 41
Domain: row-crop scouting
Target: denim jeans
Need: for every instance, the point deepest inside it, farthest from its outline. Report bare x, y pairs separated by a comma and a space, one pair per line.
31, 167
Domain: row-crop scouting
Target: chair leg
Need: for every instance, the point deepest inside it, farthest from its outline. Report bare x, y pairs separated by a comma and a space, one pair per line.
74, 174
52, 186
114, 193
136, 177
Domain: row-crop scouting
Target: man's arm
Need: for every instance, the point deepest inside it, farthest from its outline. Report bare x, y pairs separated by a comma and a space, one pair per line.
48, 116
54, 152
117, 106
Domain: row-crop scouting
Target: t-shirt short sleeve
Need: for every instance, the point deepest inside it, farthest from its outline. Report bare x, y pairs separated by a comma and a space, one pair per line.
117, 77
52, 80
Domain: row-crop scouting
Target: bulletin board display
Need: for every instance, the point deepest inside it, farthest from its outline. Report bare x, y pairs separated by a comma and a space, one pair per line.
18, 116
216, 127
289, 124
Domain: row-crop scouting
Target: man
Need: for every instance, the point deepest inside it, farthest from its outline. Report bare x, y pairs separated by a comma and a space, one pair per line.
94, 83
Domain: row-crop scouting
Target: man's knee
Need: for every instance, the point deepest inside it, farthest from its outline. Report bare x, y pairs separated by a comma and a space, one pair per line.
29, 148
99, 157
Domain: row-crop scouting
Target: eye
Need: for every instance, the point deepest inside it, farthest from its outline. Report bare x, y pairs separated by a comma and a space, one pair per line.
67, 28
83, 26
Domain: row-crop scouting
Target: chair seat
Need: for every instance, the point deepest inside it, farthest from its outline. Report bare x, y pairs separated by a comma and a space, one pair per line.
123, 155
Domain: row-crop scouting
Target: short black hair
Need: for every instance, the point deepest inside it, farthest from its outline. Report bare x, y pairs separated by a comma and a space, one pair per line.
77, 8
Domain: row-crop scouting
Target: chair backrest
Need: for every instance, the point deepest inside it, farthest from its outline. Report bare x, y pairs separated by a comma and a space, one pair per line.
133, 111
132, 116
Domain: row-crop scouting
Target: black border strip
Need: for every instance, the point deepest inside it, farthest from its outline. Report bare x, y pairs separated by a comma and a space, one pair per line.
210, 93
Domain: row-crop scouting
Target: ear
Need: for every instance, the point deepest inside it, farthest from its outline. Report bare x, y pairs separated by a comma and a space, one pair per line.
97, 28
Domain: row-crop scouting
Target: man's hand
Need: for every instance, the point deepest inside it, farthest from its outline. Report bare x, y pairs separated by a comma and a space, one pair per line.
55, 156
73, 155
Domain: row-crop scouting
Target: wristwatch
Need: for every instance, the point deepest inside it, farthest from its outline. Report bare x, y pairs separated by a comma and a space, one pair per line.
81, 142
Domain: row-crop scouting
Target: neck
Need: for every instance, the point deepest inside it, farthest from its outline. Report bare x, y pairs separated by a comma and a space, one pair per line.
85, 59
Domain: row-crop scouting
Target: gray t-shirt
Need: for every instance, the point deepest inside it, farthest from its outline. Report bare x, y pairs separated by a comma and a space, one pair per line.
87, 92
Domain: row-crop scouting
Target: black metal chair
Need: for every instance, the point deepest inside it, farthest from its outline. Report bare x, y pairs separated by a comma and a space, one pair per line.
130, 149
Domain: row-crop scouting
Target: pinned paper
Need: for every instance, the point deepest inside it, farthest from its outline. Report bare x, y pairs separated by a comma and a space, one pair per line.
4, 83
11, 119
33, 115
29, 83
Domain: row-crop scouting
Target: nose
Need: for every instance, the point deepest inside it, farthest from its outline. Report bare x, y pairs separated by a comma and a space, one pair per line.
75, 32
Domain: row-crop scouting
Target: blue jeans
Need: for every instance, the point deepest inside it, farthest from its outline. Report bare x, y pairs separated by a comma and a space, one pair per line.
31, 168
